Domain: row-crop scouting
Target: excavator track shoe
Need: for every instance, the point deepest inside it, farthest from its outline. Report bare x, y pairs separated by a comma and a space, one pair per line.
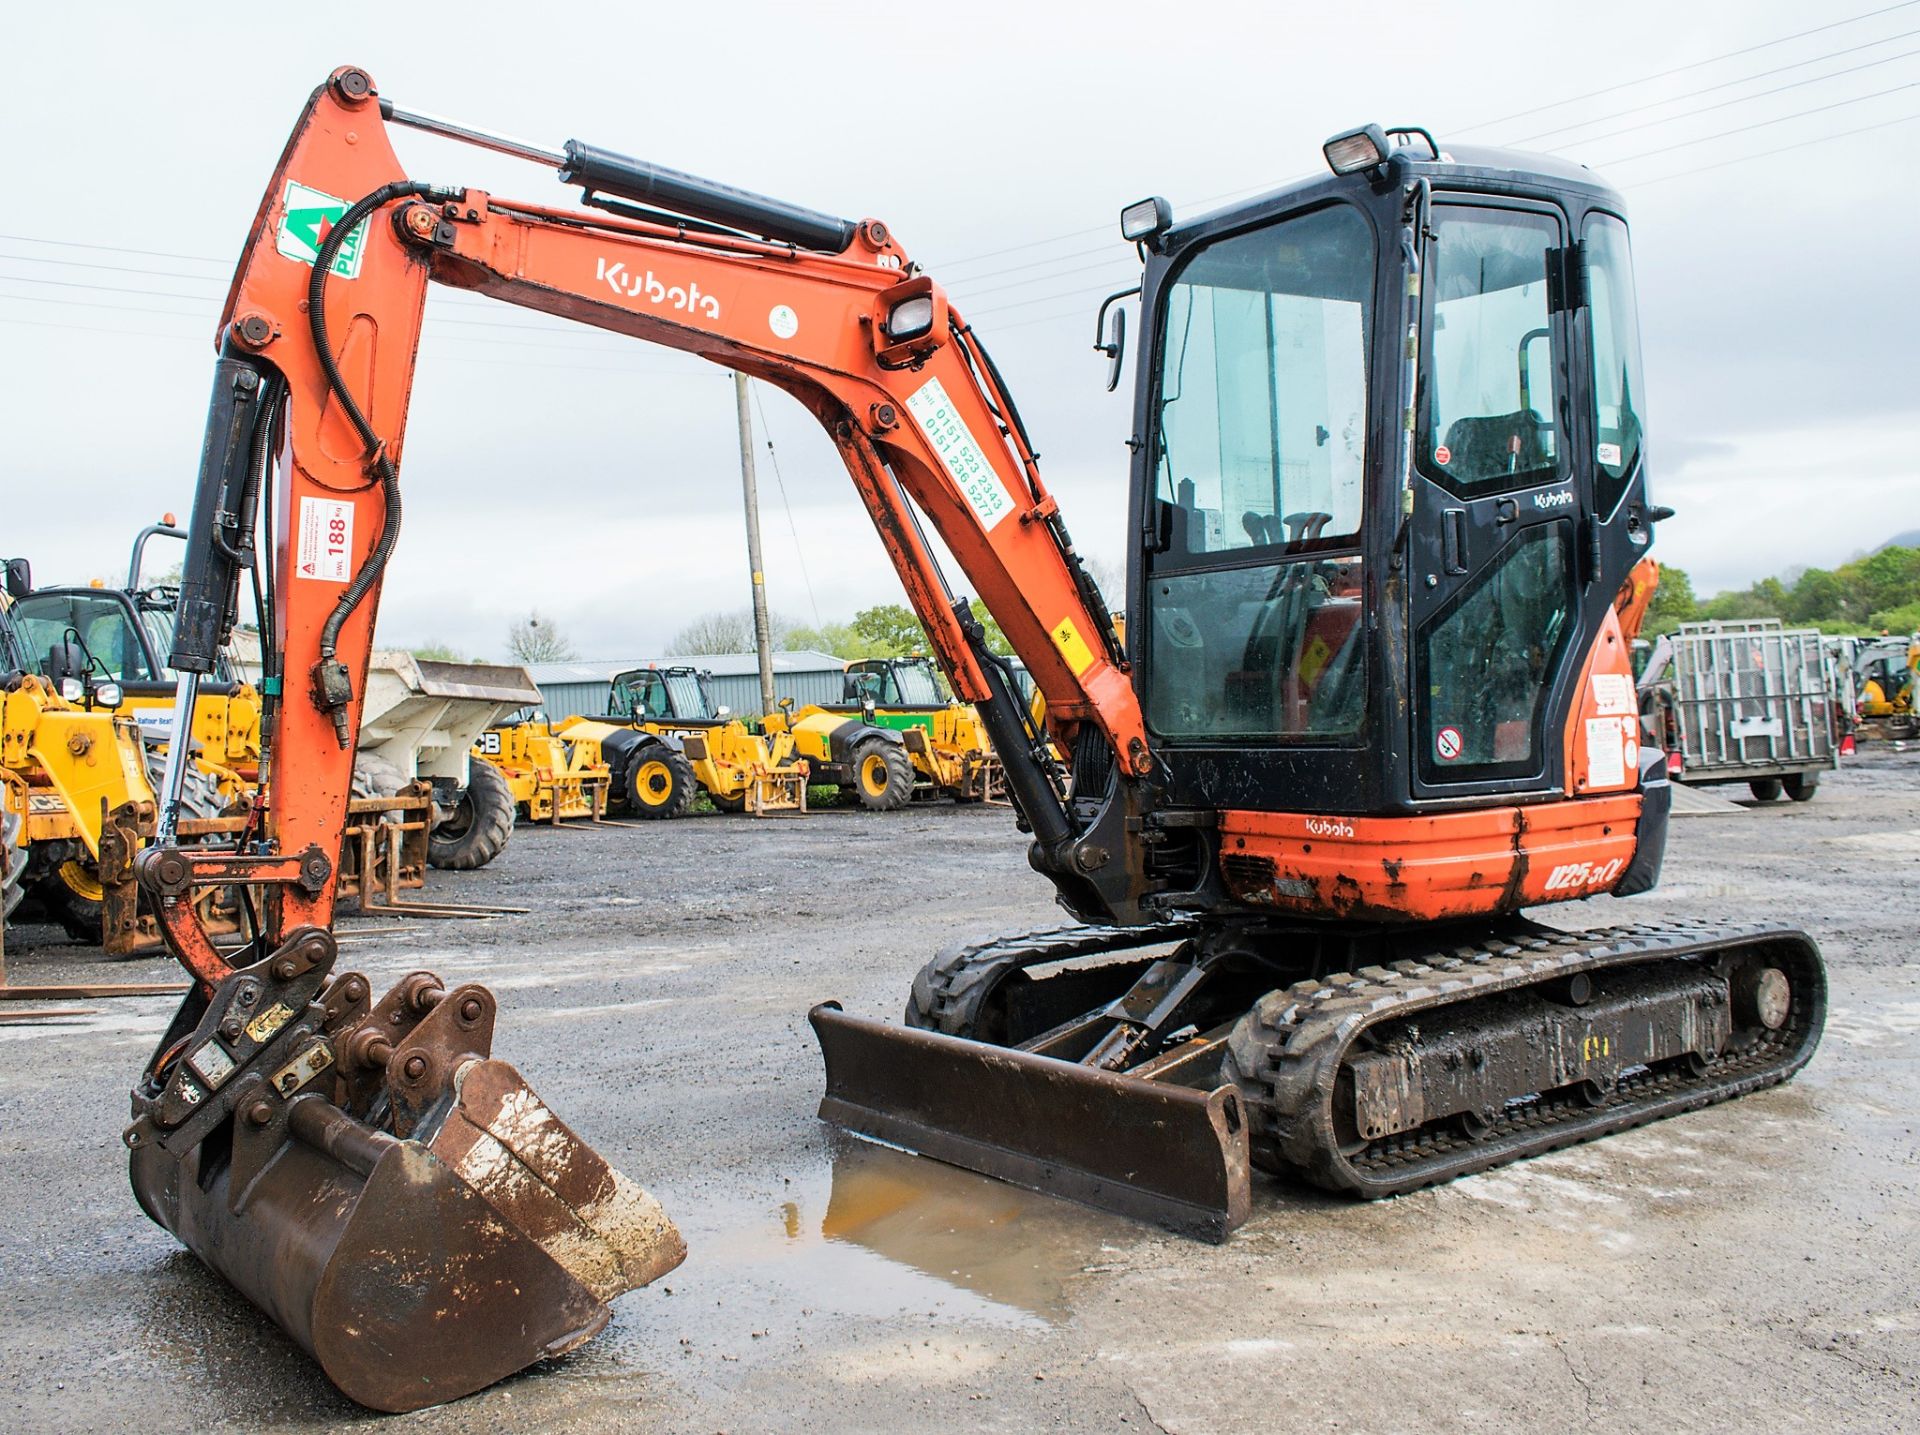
399, 1202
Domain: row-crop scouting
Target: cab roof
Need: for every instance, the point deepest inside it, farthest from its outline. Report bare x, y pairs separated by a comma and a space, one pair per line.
1482, 167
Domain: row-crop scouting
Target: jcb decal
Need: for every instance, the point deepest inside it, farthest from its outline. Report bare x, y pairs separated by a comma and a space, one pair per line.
489, 744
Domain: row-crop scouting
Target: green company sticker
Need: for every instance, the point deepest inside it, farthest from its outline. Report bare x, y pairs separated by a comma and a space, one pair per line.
309, 218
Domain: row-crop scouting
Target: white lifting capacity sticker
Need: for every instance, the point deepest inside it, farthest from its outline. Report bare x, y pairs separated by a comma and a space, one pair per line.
965, 461
1613, 695
1606, 753
325, 549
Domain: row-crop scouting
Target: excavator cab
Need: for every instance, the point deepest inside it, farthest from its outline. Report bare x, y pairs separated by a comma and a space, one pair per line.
1365, 587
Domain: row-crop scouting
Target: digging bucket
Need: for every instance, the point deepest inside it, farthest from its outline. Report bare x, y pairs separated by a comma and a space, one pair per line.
399, 1202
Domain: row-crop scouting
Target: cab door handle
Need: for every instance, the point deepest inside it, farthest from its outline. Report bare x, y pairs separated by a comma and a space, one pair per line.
1453, 533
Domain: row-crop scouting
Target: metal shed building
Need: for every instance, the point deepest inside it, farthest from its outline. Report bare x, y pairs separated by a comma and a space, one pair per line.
569, 689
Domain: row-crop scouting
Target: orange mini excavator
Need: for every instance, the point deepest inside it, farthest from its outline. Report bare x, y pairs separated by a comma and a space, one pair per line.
1374, 702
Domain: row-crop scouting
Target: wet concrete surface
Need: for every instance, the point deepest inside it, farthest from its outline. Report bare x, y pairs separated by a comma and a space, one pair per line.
1748, 1267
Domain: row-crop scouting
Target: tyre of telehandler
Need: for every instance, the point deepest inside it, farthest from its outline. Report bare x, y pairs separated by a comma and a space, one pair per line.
481, 823
660, 783
882, 775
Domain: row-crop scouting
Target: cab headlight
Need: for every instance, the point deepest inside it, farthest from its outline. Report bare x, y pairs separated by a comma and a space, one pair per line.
1356, 150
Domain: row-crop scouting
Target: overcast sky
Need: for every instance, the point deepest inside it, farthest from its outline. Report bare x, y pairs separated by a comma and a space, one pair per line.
597, 478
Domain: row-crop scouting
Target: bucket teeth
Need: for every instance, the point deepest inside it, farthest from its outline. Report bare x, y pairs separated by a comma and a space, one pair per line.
528, 1164
409, 1211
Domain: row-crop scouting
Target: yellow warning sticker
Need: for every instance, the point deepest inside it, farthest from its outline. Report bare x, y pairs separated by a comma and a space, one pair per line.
1072, 646
1313, 659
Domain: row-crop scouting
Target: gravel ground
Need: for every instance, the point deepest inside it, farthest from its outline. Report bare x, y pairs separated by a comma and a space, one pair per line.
1746, 1267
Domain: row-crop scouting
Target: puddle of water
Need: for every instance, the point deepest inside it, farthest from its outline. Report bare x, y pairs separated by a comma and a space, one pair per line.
871, 1233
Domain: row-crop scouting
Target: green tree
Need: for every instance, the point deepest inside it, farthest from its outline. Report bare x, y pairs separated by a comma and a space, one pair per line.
435, 651
1884, 580
1818, 596
891, 628
1765, 599
1673, 602
996, 640
839, 639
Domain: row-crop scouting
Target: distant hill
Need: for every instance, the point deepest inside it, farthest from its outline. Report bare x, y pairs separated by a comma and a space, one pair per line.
1909, 539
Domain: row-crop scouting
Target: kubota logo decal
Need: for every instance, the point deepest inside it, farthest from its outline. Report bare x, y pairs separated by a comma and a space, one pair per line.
1329, 827
656, 291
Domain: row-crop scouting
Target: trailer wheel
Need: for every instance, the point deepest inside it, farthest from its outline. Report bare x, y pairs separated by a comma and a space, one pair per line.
1766, 789
1801, 786
660, 783
481, 823
882, 775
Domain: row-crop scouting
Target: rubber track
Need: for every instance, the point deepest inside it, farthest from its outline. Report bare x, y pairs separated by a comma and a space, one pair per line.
950, 990
1287, 1052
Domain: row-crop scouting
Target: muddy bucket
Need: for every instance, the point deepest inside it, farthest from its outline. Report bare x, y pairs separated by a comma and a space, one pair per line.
403, 1206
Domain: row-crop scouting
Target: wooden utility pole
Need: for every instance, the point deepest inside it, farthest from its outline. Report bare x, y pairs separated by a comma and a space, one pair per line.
750, 490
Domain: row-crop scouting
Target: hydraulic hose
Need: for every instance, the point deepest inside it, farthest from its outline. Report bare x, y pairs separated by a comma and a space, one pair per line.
333, 685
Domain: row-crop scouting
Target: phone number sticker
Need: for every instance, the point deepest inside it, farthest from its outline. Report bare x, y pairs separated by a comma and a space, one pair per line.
965, 461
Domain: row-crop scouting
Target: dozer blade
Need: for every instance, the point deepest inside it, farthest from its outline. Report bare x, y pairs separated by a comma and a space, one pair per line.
1172, 1155
402, 1205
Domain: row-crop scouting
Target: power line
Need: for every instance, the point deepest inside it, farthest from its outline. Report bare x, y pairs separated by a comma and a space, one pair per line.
1782, 149
1763, 124
799, 548
115, 268
1724, 104
1693, 65
449, 358
1710, 89
107, 248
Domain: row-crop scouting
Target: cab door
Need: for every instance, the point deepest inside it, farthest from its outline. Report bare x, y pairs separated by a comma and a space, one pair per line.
1495, 591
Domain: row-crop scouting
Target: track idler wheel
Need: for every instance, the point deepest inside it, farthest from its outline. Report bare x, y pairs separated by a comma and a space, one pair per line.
403, 1205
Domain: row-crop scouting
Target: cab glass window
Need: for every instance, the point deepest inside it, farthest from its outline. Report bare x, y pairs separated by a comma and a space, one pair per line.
1261, 413
1487, 372
1617, 386
1487, 662
688, 700
1258, 651
104, 627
